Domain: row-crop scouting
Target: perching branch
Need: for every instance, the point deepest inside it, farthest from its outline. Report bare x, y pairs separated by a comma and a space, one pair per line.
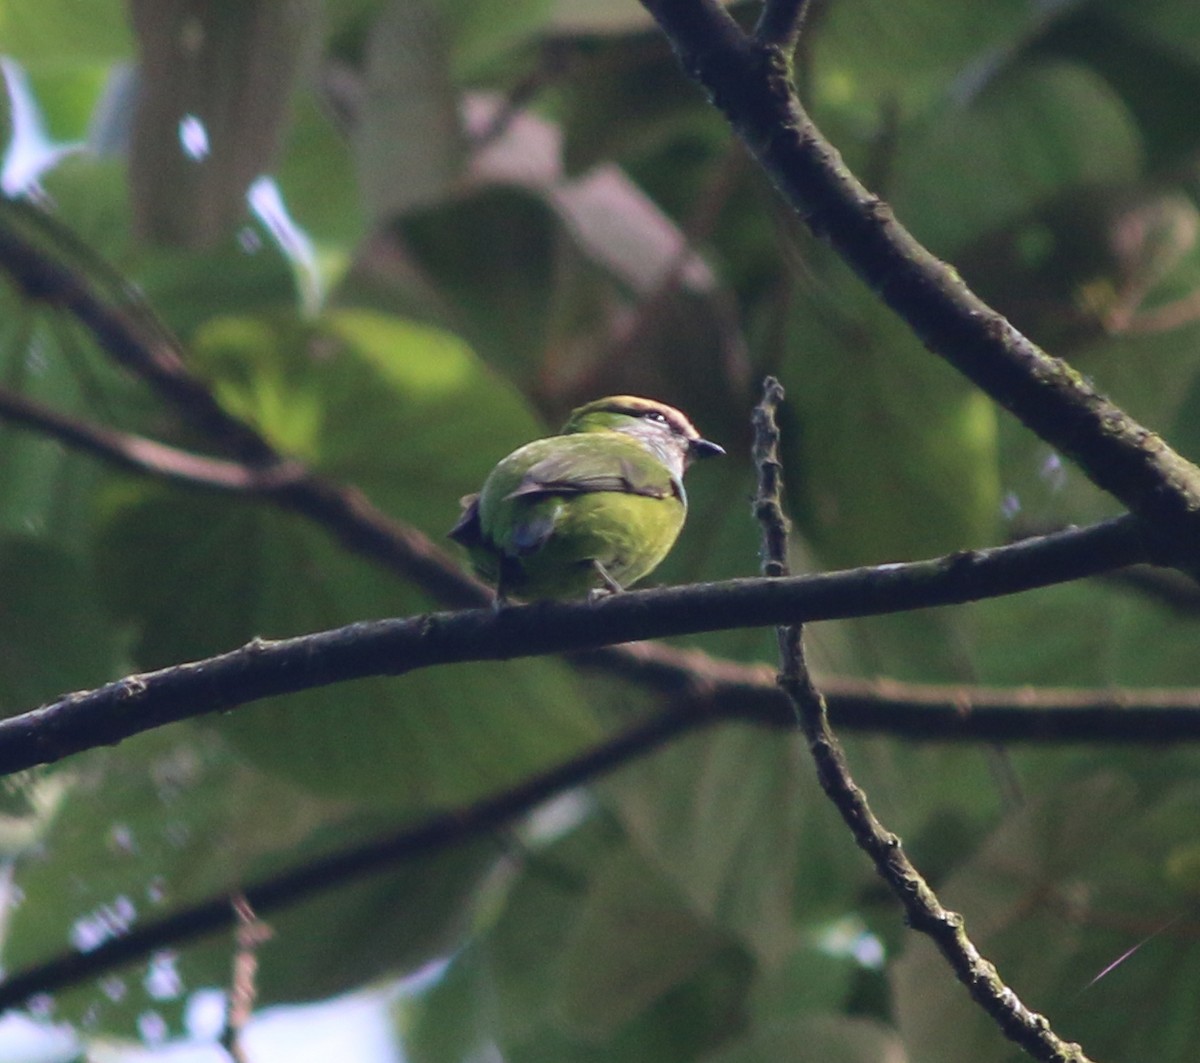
750, 81
935, 712
393, 647
921, 905
359, 526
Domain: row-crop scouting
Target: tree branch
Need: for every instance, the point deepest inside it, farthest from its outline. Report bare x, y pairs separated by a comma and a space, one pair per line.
726, 693
138, 454
433, 835
347, 515
780, 24
921, 905
743, 691
750, 82
393, 647
134, 338
142, 345
933, 712
1019, 714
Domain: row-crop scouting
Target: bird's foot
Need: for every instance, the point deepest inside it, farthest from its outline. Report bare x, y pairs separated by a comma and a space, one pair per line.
611, 586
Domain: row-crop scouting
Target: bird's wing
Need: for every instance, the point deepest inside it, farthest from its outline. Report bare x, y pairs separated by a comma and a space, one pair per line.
581, 473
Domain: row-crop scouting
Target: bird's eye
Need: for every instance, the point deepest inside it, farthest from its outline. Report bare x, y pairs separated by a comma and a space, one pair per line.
654, 415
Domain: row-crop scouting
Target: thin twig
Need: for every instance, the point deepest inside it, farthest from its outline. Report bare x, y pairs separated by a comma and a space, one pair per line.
251, 934
922, 907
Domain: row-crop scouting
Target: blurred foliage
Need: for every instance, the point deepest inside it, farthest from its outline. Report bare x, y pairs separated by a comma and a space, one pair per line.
468, 218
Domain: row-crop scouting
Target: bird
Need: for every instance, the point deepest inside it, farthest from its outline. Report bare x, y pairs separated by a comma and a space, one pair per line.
591, 510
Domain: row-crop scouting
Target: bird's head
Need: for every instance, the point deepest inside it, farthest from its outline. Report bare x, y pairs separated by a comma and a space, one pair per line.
657, 426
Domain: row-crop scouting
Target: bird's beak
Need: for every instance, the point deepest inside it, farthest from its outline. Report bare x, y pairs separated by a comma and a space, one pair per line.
702, 448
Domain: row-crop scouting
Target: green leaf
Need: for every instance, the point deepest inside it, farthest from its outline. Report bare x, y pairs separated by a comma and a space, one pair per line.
521, 950
63, 98
198, 579
408, 147
133, 840
446, 1023
1172, 25
191, 288
92, 199
63, 33
871, 53
810, 982
48, 602
483, 34
316, 175
389, 923
893, 455
1045, 128
185, 288
735, 821
635, 938
491, 255
1037, 638
1062, 889
635, 76
564, 971
829, 1038
402, 410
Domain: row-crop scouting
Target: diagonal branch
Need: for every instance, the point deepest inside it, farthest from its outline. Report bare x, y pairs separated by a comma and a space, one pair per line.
138, 454
921, 905
751, 83
134, 338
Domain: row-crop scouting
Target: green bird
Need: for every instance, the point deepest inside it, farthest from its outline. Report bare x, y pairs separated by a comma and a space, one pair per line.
596, 507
